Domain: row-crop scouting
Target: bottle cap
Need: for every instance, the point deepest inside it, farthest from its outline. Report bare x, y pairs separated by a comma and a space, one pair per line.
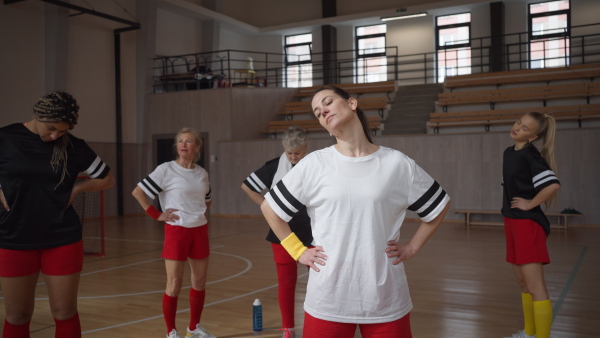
257, 302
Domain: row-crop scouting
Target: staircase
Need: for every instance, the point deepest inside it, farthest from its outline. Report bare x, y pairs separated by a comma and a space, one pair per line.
410, 110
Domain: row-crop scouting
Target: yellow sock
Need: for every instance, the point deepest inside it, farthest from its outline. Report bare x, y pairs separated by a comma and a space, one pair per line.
542, 312
527, 301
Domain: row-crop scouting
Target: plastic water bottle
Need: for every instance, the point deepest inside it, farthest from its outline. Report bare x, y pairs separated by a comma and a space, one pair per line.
257, 315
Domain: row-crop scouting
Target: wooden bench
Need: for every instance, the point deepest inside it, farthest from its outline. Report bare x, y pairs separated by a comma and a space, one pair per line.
587, 71
486, 118
468, 213
387, 87
532, 93
304, 107
311, 125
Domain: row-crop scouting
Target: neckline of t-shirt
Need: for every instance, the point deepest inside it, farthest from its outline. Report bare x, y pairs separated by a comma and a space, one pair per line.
356, 159
182, 168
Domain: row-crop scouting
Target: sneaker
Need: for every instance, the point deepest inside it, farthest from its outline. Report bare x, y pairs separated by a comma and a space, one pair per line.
521, 334
199, 332
173, 334
288, 333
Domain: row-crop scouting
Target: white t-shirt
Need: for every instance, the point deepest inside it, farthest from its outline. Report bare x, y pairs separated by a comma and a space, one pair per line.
357, 204
187, 190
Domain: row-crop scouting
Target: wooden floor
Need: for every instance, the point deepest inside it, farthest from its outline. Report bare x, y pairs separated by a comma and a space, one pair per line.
460, 285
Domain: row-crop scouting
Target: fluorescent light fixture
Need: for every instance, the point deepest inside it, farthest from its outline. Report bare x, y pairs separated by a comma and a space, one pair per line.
399, 17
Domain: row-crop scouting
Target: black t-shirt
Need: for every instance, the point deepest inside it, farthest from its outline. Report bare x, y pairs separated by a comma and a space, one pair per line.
525, 172
263, 178
40, 216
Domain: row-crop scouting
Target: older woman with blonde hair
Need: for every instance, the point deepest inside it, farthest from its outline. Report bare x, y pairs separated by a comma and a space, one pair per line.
185, 196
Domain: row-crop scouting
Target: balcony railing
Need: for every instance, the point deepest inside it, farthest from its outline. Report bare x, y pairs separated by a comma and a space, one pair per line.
231, 67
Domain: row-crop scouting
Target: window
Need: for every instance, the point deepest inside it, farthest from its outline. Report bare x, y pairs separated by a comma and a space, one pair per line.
549, 34
453, 45
371, 63
298, 60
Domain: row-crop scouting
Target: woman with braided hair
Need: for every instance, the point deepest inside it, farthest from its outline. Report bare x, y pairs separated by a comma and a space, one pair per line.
39, 229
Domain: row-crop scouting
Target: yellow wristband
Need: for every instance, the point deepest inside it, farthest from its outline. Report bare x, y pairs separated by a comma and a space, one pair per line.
293, 246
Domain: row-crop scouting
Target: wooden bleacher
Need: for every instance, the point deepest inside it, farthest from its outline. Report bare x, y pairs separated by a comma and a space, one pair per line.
312, 125
531, 93
585, 71
508, 116
527, 91
303, 107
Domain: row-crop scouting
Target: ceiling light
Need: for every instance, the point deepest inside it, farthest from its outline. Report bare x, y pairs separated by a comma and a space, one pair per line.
399, 17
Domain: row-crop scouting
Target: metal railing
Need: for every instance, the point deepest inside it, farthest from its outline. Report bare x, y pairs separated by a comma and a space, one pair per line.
231, 67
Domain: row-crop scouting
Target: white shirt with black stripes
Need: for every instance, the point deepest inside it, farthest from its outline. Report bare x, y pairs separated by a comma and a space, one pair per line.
357, 204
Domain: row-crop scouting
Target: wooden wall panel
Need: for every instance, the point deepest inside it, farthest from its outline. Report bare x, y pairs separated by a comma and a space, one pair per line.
253, 108
134, 169
468, 166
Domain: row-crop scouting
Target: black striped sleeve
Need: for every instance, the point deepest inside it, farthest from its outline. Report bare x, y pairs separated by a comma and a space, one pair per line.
283, 202
255, 183
98, 169
430, 203
544, 179
208, 196
150, 187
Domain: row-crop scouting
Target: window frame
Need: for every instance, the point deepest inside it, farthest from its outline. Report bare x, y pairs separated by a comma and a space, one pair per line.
296, 63
365, 56
530, 18
565, 35
457, 46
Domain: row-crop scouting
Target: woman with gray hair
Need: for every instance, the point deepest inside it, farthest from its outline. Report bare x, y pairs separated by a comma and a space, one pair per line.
294, 145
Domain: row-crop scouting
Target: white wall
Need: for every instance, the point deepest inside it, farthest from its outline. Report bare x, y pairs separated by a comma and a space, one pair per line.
176, 34
265, 13
412, 36
21, 60
90, 67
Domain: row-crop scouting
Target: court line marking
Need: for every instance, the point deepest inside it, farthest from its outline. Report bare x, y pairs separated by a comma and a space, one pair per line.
246, 269
567, 287
186, 310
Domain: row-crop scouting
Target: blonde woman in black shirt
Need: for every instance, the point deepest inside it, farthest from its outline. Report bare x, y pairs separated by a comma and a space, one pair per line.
529, 179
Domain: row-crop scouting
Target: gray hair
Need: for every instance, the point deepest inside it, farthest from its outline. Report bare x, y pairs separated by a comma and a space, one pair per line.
293, 138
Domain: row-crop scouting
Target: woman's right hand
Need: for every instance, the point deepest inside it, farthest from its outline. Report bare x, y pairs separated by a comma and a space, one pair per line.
313, 256
3, 200
169, 216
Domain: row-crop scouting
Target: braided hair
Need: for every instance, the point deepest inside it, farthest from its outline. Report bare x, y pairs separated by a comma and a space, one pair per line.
54, 107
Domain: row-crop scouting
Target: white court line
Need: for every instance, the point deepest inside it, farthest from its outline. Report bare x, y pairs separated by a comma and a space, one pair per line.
248, 267
186, 310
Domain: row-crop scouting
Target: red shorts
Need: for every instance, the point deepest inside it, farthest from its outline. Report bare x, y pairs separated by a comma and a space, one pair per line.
60, 261
318, 328
182, 243
525, 242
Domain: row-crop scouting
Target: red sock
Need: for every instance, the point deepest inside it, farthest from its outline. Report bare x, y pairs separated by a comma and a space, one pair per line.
196, 306
70, 328
287, 274
169, 311
15, 331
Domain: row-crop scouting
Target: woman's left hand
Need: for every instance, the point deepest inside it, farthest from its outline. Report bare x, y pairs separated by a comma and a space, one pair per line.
520, 203
404, 252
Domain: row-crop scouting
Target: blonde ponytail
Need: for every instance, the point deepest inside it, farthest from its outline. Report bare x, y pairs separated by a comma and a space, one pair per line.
547, 131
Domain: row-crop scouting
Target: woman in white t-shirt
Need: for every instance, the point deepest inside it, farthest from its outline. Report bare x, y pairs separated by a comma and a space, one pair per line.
185, 196
356, 194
